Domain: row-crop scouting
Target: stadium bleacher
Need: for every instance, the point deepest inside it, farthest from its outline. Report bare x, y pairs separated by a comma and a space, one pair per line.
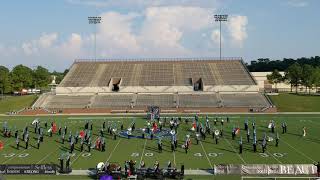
184, 83
66, 101
101, 101
198, 100
157, 73
244, 100
161, 100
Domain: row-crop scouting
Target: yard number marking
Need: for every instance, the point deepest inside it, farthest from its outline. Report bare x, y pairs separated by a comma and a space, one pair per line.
278, 155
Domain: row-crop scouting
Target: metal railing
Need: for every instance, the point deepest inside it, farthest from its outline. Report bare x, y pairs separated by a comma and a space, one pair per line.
159, 59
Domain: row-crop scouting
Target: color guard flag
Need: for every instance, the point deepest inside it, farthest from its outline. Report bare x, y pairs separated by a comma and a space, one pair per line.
81, 134
54, 128
194, 126
237, 130
1, 145
35, 121
97, 143
155, 127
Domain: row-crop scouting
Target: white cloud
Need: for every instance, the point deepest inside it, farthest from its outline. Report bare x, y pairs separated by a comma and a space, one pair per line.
158, 31
237, 26
215, 36
34, 46
7, 51
29, 48
47, 40
297, 3
164, 28
71, 48
134, 4
115, 36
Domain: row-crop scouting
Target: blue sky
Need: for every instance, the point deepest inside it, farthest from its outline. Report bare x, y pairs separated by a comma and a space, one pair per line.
54, 33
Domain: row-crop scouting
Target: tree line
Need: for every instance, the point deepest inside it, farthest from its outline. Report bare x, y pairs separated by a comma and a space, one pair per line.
298, 72
24, 77
267, 65
297, 75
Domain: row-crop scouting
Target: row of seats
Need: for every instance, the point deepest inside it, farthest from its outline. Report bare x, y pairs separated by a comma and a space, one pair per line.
140, 73
162, 100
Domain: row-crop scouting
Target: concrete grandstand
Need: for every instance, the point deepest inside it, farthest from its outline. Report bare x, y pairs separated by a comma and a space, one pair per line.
175, 85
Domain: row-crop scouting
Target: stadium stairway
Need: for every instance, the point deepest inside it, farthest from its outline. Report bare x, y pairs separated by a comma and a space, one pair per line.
99, 73
42, 100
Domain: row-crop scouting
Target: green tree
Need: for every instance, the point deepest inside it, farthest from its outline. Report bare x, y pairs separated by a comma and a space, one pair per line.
21, 77
41, 77
59, 75
293, 75
5, 85
306, 76
275, 77
316, 77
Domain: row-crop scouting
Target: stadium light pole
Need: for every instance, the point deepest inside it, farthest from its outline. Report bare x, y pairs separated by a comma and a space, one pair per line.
220, 18
95, 20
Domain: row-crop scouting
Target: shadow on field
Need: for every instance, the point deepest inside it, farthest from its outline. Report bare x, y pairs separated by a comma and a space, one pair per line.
306, 139
64, 148
34, 146
304, 94
294, 134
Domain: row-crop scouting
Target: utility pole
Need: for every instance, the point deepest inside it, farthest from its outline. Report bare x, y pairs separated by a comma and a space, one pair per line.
220, 18
95, 20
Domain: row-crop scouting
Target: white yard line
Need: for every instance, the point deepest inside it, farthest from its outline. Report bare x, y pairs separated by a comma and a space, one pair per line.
76, 158
274, 158
206, 155
48, 155
7, 144
299, 151
114, 149
144, 147
314, 123
174, 158
80, 154
13, 157
110, 117
235, 151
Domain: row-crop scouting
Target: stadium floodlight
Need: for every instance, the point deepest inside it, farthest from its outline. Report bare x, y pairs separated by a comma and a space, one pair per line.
95, 20
220, 18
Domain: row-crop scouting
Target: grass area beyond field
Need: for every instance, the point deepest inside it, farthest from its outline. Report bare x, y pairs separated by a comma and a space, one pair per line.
15, 103
289, 102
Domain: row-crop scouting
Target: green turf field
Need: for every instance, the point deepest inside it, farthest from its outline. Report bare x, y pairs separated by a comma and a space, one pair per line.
290, 102
15, 103
293, 148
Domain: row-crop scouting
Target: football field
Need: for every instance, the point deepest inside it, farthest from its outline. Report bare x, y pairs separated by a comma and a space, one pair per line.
292, 149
